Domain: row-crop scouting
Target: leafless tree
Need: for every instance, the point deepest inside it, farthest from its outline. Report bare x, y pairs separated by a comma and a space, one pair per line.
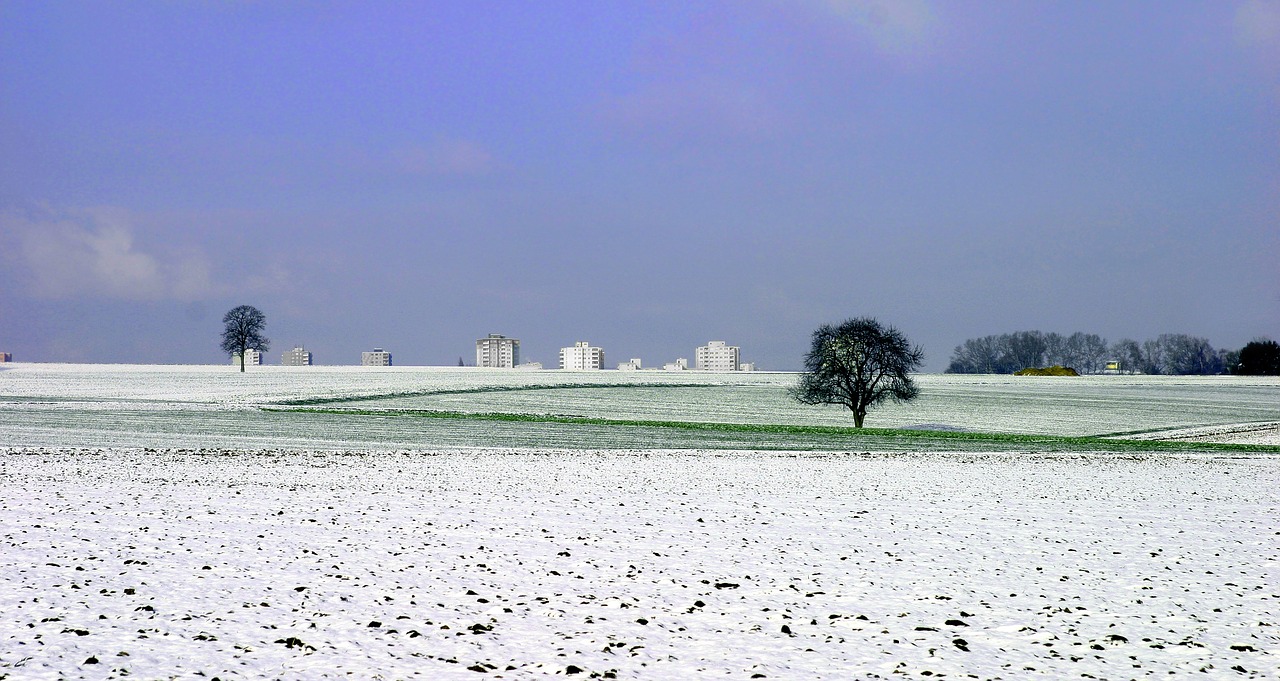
858, 364
242, 331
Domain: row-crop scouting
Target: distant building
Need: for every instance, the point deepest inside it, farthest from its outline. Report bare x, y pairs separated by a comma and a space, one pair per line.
497, 351
716, 356
377, 358
6, 357
632, 364
296, 357
530, 365
581, 357
747, 366
681, 364
251, 356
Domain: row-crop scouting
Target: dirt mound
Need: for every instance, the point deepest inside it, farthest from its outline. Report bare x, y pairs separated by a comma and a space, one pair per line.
1054, 370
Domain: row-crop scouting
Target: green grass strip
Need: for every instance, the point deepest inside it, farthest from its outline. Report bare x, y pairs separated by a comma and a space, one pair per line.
306, 401
1087, 442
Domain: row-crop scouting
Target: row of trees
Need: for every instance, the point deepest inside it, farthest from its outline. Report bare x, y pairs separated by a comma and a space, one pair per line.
1176, 354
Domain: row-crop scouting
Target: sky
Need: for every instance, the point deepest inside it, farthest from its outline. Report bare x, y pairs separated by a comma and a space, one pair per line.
643, 176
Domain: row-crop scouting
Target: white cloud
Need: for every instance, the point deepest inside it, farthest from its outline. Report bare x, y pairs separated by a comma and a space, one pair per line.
91, 253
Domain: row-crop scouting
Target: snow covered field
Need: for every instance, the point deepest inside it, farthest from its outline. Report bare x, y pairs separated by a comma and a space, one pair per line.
203, 406
472, 564
157, 522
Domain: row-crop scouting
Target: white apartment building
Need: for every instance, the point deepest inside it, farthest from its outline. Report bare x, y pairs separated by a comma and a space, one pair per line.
251, 356
581, 357
296, 357
632, 364
498, 352
377, 358
716, 356
680, 364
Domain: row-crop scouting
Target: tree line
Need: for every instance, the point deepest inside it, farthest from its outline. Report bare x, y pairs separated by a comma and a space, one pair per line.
1176, 354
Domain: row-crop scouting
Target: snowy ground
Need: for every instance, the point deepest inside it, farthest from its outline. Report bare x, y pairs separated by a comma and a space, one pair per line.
518, 564
51, 405
1261, 433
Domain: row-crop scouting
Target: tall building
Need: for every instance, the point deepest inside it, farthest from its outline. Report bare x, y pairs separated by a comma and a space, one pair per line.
581, 357
296, 357
497, 351
251, 357
716, 356
377, 358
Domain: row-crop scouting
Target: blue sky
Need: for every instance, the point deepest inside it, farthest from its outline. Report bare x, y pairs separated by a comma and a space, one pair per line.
644, 176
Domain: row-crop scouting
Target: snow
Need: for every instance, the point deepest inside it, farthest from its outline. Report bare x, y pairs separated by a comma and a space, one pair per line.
159, 522
637, 564
41, 404
1254, 433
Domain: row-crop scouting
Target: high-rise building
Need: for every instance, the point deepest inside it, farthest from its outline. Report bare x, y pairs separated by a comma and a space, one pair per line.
296, 357
497, 351
581, 357
716, 356
377, 358
251, 357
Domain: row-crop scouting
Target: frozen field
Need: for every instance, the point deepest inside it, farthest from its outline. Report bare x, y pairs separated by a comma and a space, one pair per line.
164, 406
473, 564
169, 522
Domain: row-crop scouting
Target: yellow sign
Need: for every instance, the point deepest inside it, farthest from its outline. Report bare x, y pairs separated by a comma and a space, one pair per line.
1113, 366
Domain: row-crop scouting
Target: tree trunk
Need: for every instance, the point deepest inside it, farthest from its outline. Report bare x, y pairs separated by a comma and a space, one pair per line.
857, 419
242, 361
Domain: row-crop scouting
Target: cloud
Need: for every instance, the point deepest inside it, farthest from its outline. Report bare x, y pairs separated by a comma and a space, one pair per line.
91, 253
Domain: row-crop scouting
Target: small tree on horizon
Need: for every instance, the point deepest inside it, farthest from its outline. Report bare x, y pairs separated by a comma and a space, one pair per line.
242, 331
858, 364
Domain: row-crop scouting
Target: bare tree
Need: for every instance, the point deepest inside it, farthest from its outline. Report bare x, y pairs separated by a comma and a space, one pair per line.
1186, 355
243, 331
858, 364
1089, 351
1128, 353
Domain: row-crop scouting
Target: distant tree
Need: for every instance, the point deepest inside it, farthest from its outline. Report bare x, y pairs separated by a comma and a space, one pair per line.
1261, 357
1128, 353
1185, 355
858, 364
242, 331
1088, 352
1025, 349
461, 363
1153, 357
1058, 351
1230, 360
976, 356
